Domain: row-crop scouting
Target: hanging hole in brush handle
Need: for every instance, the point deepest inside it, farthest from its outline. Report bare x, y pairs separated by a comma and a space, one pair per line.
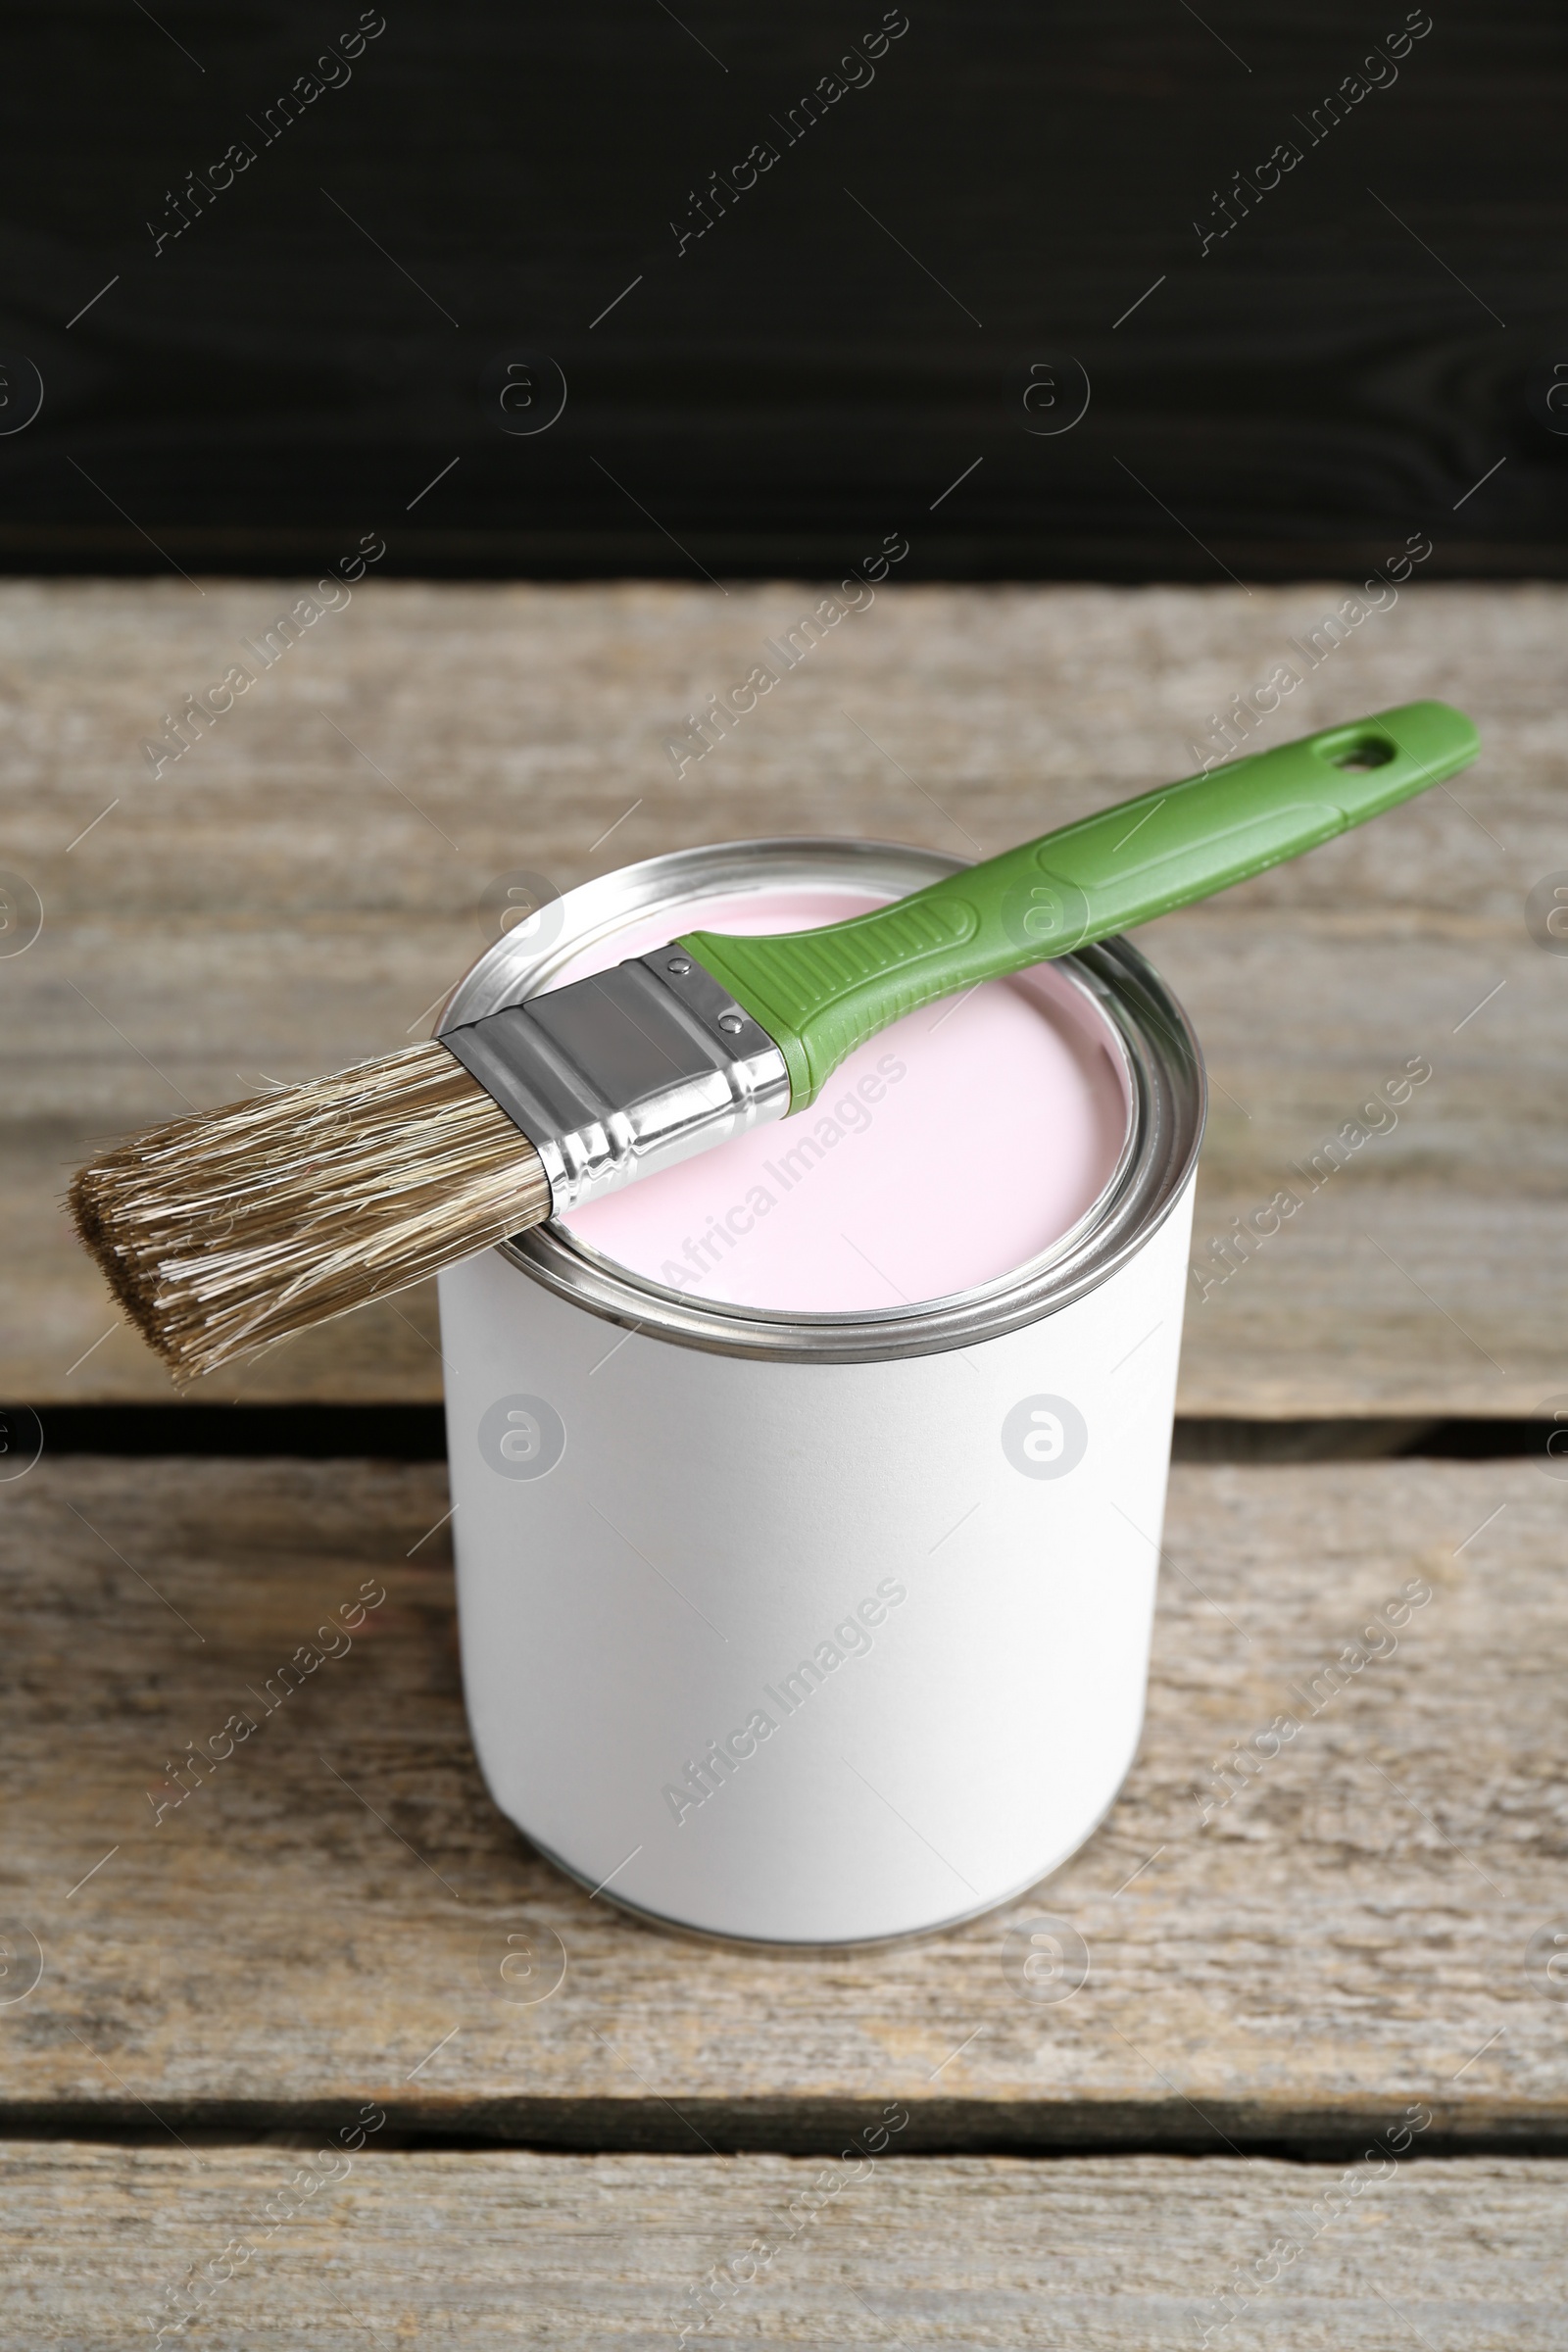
821, 994
1358, 759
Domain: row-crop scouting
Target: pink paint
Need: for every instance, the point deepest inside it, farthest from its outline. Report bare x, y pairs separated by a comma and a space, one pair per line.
949, 1151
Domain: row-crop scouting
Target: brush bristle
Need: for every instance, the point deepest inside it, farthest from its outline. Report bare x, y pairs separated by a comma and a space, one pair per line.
222, 1233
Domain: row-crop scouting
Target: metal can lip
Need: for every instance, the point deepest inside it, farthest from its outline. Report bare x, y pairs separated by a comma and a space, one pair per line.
1162, 1061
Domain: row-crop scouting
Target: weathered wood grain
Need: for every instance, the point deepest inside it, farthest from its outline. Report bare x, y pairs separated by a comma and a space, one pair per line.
281, 901
781, 387
104, 2246
1349, 1931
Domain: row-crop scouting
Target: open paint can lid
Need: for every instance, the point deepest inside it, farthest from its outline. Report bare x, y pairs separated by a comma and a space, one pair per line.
979, 1164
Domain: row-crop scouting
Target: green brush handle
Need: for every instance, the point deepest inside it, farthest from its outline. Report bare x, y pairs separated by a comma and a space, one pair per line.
821, 994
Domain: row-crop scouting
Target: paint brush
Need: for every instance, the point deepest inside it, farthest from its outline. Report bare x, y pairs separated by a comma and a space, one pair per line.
226, 1231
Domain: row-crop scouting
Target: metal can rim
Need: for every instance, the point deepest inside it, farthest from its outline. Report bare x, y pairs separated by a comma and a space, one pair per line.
1162, 1058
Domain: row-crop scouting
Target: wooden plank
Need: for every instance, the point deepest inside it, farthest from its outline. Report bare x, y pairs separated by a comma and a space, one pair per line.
776, 373
1278, 1967
296, 892
104, 2246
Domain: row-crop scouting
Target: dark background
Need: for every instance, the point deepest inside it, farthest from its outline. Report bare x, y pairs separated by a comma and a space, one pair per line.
795, 386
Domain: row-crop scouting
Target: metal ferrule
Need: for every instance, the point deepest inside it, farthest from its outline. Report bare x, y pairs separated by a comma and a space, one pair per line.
619, 1076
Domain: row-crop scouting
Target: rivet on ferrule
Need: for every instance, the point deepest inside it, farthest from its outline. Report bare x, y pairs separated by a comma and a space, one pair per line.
619, 1075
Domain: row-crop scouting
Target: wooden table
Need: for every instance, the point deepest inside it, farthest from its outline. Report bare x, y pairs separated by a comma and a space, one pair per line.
1314, 2090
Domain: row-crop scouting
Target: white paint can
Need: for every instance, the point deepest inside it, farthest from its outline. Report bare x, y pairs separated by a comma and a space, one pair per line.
826, 1628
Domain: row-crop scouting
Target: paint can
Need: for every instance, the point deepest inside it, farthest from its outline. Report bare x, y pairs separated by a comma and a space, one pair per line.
818, 1628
